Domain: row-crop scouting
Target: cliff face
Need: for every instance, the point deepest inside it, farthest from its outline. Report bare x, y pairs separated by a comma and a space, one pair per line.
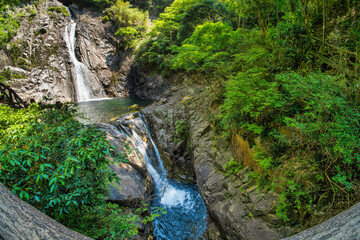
182, 130
96, 49
39, 59
39, 54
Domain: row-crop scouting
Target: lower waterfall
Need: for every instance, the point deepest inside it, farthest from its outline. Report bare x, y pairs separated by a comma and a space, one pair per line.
186, 216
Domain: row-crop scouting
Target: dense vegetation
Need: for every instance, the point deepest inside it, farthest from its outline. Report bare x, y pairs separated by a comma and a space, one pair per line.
61, 166
286, 71
51, 160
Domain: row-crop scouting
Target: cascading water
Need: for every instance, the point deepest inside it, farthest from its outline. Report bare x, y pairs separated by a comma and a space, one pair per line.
83, 87
186, 216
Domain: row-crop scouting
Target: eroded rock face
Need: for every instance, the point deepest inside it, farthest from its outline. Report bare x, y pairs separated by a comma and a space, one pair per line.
40, 51
96, 48
240, 210
135, 183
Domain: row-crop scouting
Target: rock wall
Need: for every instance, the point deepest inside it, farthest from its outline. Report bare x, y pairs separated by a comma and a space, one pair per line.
39, 60
39, 54
96, 48
240, 210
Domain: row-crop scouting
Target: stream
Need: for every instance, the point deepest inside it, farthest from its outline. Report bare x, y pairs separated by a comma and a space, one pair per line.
186, 213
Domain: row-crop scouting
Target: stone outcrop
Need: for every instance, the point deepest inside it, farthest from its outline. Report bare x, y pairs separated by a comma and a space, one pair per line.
135, 186
39, 60
343, 226
40, 51
135, 183
240, 210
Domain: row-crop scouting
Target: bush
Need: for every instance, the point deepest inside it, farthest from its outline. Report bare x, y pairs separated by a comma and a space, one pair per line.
53, 161
325, 116
108, 221
132, 23
250, 101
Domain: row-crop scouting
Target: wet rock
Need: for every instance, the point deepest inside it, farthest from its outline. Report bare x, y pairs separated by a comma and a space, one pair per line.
135, 183
133, 188
235, 204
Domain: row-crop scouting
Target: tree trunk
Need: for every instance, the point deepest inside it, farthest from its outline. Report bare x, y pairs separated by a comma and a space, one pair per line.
19, 220
324, 20
343, 226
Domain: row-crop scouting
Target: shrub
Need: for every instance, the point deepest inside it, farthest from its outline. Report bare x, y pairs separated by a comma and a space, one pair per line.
108, 221
53, 161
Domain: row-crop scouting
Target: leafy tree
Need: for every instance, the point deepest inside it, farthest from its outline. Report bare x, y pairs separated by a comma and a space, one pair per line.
51, 160
132, 23
7, 3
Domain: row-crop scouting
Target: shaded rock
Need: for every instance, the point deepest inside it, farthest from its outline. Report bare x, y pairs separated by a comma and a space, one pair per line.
343, 226
133, 189
237, 207
135, 183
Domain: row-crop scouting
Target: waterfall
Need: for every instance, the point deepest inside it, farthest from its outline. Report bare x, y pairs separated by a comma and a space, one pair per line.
186, 211
84, 89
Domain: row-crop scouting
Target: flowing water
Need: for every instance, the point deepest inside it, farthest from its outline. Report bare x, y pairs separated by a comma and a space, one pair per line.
103, 110
84, 89
186, 214
186, 211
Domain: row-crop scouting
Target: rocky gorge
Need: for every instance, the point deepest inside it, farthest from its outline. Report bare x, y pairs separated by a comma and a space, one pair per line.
179, 120
38, 57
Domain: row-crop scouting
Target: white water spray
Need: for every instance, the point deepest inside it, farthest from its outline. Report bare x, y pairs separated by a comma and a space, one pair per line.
186, 211
169, 194
83, 87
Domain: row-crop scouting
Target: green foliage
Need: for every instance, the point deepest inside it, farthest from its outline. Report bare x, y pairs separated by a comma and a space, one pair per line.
62, 10
250, 101
8, 26
108, 221
173, 27
211, 10
232, 167
33, 13
8, 3
129, 35
182, 130
132, 23
97, 5
155, 7
321, 111
207, 44
51, 160
105, 18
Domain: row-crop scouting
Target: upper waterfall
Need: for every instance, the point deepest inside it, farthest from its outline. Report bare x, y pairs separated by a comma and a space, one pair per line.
85, 90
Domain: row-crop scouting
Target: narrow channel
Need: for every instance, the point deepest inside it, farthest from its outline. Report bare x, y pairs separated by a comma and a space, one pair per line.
186, 212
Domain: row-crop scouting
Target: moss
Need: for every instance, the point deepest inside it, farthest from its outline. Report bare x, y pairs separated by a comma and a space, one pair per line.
62, 10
